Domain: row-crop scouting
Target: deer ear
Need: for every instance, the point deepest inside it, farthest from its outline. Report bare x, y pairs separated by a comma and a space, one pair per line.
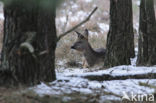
86, 33
78, 34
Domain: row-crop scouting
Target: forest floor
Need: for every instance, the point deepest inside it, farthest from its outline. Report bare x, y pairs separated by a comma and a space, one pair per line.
120, 84
93, 85
75, 85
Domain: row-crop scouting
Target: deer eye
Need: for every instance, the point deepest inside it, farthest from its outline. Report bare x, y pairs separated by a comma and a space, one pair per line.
81, 37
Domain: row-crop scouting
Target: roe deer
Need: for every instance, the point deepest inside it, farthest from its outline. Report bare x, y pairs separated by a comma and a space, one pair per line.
92, 56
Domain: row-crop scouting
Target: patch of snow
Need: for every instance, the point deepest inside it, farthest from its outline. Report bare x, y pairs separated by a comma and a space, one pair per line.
104, 27
134, 60
65, 71
120, 71
114, 71
88, 1
63, 19
80, 15
83, 90
61, 62
107, 97
138, 2
136, 50
74, 18
64, 4
128, 86
44, 89
2, 16
136, 27
106, 13
94, 85
91, 34
74, 6
81, 85
70, 13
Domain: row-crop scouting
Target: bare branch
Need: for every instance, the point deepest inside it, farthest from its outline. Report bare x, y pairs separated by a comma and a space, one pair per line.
76, 26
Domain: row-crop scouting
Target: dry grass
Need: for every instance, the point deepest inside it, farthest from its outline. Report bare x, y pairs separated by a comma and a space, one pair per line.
63, 50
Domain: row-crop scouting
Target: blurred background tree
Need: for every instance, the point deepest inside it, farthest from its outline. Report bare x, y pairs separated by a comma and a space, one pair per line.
147, 34
28, 52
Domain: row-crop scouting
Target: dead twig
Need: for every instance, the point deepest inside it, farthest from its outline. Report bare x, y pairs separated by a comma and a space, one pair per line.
147, 85
76, 26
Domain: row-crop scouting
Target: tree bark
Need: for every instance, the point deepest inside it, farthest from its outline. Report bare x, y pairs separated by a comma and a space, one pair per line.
29, 43
147, 34
120, 39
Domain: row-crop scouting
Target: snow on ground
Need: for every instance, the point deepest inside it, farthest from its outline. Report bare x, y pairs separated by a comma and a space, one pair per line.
66, 84
134, 60
71, 81
115, 71
79, 85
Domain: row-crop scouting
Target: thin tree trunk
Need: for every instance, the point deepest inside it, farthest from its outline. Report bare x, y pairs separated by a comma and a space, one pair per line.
120, 40
147, 34
29, 31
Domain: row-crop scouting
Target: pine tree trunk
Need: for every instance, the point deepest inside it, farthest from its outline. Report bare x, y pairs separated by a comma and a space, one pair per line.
27, 23
147, 34
120, 39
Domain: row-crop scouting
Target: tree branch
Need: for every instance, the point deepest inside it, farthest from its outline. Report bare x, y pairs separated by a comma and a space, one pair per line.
108, 77
76, 26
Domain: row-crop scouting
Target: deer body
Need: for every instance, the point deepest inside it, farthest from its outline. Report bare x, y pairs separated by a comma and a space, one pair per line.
91, 56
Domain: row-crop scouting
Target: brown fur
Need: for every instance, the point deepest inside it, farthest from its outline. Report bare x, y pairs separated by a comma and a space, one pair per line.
92, 56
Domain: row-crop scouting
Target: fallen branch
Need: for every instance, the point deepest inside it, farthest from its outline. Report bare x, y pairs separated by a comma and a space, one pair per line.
76, 26
108, 77
147, 85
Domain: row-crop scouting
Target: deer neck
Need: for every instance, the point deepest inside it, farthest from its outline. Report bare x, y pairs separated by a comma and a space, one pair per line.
89, 54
